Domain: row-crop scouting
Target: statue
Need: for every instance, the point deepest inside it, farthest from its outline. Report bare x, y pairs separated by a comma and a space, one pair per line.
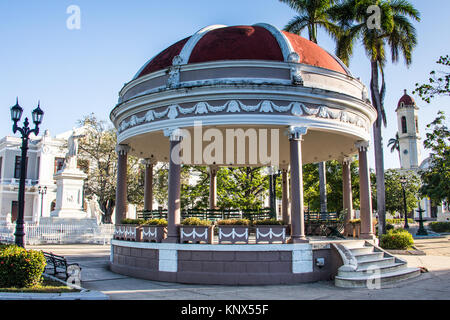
71, 155
96, 212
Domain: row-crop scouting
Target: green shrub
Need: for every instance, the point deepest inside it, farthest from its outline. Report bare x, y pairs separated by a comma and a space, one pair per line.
155, 222
396, 239
389, 227
440, 226
272, 222
20, 268
234, 222
355, 221
193, 221
132, 221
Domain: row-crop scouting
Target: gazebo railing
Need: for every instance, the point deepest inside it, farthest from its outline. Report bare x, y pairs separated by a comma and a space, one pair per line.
321, 216
212, 214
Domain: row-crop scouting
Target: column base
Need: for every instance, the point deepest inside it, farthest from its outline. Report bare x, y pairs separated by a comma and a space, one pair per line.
297, 240
367, 236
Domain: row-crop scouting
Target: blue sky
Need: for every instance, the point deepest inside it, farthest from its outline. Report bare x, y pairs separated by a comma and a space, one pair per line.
76, 72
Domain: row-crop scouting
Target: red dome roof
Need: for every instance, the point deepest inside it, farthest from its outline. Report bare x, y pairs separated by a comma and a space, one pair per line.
237, 43
407, 100
259, 42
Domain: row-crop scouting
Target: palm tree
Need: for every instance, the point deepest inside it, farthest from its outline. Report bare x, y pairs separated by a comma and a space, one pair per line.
394, 143
313, 14
396, 33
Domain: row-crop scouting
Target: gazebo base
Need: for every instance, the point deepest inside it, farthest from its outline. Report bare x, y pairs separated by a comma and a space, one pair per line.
225, 264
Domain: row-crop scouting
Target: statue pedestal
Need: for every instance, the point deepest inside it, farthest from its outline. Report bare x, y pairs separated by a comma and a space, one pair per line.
69, 194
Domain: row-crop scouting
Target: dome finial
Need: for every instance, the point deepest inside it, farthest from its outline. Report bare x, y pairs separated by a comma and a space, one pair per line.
405, 91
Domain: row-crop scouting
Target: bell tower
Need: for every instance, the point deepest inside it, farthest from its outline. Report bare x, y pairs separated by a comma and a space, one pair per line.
408, 132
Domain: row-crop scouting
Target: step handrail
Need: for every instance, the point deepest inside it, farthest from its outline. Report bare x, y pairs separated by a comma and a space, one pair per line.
349, 260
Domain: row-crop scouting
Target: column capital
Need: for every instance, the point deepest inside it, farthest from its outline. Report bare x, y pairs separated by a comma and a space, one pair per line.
213, 168
174, 134
362, 145
122, 149
347, 160
148, 161
295, 133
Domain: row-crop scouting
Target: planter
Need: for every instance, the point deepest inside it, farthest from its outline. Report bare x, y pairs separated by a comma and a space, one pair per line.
233, 233
355, 229
196, 234
127, 232
153, 233
270, 233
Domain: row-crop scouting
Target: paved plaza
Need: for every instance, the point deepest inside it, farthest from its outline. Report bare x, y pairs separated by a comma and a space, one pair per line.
94, 259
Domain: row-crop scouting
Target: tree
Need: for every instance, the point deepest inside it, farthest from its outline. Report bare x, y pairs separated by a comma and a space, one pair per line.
436, 178
241, 187
394, 191
394, 31
438, 83
311, 14
334, 186
98, 147
394, 143
237, 187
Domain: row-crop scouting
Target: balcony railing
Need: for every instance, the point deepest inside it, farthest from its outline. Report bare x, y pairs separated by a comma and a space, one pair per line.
14, 181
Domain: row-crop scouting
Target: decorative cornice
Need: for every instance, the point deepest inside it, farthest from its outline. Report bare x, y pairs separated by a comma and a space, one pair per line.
235, 106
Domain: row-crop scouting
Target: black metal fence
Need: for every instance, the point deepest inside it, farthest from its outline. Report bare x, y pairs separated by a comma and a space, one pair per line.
212, 214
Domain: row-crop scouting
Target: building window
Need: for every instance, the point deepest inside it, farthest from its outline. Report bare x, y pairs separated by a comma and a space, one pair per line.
404, 128
417, 125
38, 167
1, 166
17, 167
59, 162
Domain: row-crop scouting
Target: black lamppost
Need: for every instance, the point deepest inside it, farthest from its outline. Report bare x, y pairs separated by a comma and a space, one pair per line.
403, 182
42, 191
16, 114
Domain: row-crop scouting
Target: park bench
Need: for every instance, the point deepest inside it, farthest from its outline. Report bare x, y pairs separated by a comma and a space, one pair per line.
329, 224
58, 264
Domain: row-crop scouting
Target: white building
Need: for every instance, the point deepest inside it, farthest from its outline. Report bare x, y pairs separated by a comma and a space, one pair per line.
44, 158
410, 144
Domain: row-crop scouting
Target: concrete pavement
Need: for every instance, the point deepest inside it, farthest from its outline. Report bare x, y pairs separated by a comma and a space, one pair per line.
94, 259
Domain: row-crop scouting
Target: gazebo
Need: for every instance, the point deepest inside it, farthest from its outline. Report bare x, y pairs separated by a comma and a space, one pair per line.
240, 96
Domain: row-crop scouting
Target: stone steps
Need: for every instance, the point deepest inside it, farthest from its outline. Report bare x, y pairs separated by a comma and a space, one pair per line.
361, 250
377, 262
374, 281
370, 267
369, 270
369, 256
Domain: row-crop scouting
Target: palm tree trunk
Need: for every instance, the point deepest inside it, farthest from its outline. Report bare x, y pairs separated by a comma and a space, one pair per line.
378, 143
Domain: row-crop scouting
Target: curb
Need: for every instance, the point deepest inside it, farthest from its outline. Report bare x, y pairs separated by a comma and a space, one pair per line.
84, 294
